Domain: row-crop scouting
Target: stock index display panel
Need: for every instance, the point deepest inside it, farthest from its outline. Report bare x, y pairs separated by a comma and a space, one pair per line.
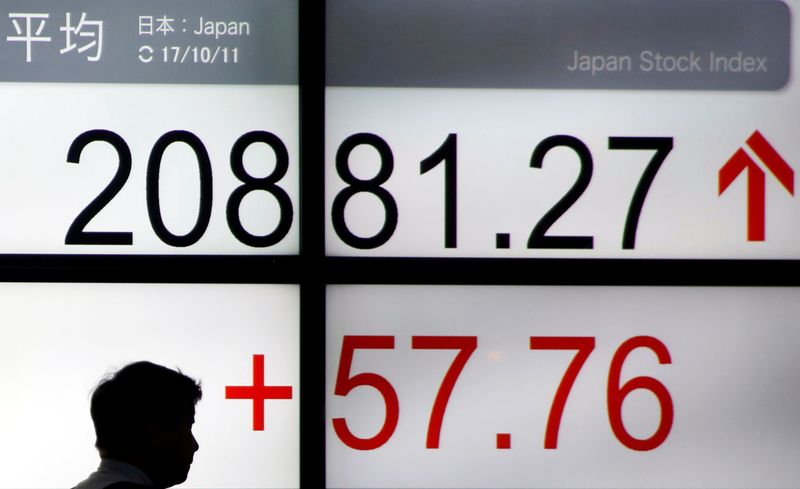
561, 138
150, 128
575, 129
500, 130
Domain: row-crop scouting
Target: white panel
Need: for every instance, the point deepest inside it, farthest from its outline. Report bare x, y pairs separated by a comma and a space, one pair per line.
58, 341
731, 380
42, 193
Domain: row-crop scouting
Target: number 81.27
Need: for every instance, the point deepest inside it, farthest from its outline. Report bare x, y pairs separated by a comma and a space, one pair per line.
447, 155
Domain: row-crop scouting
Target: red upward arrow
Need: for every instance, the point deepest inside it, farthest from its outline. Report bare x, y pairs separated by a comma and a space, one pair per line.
756, 181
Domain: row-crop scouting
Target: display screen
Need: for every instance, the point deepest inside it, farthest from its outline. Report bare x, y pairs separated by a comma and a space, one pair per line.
537, 386
570, 129
150, 127
59, 340
561, 136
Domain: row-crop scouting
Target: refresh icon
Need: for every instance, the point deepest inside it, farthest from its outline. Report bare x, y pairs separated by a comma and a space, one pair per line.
145, 54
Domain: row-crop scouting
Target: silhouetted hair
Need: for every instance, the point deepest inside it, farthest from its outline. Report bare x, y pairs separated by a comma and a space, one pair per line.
139, 395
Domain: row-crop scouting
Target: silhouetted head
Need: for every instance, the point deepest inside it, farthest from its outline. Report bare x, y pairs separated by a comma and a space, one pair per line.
143, 415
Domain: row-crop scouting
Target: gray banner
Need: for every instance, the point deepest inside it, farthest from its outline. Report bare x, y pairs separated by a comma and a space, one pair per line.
149, 41
614, 44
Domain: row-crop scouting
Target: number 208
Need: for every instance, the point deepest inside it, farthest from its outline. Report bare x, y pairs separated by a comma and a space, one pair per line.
77, 235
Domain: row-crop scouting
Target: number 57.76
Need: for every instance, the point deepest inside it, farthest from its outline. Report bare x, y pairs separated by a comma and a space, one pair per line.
466, 346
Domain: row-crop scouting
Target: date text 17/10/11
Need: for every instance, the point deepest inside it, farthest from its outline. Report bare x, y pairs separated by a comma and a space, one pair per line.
466, 346
190, 54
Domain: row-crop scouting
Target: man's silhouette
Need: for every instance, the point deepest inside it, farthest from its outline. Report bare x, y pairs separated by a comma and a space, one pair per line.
143, 417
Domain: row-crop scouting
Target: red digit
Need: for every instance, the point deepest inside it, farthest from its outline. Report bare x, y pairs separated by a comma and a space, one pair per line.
584, 345
345, 383
617, 394
467, 345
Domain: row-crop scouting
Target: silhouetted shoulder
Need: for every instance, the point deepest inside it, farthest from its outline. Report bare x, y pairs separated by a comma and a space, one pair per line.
127, 485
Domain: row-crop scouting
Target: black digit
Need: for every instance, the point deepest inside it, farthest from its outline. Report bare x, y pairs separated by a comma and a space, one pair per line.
153, 194
447, 154
538, 238
662, 147
372, 186
267, 184
76, 234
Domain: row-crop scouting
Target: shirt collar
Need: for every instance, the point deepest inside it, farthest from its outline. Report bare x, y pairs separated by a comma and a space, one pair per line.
130, 472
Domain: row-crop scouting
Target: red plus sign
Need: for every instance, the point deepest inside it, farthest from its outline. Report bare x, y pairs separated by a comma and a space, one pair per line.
258, 392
